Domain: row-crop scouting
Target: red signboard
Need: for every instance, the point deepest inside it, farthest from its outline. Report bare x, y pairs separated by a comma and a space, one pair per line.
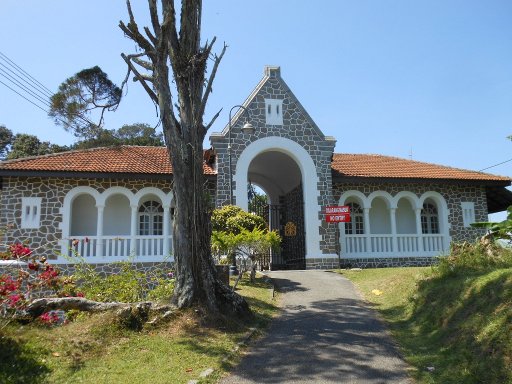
337, 214
338, 218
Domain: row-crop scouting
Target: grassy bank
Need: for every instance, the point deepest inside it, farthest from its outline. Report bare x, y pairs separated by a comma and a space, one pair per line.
94, 349
453, 328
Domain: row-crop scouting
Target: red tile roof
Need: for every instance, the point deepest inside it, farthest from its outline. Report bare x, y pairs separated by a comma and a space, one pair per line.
379, 166
154, 160
122, 159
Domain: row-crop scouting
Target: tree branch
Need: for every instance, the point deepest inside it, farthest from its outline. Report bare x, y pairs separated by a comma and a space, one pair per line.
146, 87
153, 11
144, 64
208, 89
208, 126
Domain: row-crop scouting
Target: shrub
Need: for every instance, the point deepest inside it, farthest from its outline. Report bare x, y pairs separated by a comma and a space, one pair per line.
480, 256
128, 285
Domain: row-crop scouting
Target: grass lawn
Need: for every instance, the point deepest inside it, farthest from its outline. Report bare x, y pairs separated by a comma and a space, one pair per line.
94, 349
451, 329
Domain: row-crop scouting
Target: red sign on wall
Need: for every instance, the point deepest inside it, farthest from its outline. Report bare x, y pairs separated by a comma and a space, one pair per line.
337, 214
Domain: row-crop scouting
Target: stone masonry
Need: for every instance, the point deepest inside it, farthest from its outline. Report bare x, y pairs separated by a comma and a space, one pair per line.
297, 126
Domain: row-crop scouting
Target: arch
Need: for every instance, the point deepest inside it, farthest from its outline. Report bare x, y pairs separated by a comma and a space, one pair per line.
442, 211
309, 182
411, 197
115, 191
388, 199
66, 211
353, 193
165, 199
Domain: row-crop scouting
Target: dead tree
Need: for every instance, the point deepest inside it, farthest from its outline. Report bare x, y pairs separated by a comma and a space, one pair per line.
167, 56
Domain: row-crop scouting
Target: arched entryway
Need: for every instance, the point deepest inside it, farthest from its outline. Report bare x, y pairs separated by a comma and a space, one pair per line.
286, 172
279, 176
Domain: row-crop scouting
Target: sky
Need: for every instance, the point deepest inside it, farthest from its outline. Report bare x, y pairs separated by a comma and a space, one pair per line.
428, 80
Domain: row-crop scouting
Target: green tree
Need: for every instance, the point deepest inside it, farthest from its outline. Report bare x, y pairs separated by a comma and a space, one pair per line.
24, 145
236, 232
78, 96
139, 134
129, 134
6, 137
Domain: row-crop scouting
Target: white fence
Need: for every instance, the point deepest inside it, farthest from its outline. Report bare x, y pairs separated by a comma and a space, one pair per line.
113, 248
389, 245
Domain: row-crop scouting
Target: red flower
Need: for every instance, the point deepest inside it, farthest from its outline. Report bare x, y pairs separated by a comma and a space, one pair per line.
8, 285
14, 299
18, 250
33, 266
80, 294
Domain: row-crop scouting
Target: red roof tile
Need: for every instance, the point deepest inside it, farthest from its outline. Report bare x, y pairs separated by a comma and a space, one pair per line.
122, 159
154, 160
379, 166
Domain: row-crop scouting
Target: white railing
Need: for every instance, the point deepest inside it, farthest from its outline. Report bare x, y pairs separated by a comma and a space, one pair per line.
433, 243
355, 244
119, 247
381, 243
389, 245
407, 243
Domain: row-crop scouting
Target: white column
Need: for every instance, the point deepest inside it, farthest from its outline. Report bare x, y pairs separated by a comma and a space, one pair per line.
99, 231
166, 227
367, 229
394, 242
419, 231
133, 231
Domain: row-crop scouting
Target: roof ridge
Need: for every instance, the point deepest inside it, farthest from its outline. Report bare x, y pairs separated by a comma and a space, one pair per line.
77, 150
423, 162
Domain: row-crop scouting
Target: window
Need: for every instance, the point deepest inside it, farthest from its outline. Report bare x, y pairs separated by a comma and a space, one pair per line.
151, 218
356, 224
429, 218
468, 213
274, 111
30, 212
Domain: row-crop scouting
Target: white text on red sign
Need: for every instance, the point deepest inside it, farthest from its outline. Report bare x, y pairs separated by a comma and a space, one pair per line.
337, 209
337, 218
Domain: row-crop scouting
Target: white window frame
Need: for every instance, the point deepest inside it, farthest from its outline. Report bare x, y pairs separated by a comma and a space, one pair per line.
468, 213
31, 212
274, 111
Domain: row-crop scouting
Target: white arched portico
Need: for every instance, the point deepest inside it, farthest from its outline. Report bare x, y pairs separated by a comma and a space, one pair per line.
403, 235
309, 183
105, 227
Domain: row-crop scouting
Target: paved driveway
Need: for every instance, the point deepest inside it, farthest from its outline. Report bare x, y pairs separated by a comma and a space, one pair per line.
325, 334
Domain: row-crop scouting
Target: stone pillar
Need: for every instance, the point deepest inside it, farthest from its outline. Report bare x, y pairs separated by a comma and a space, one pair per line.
367, 229
166, 227
419, 231
394, 242
99, 231
133, 231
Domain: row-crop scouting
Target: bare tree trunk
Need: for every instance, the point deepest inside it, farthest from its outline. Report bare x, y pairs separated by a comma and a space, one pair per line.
196, 277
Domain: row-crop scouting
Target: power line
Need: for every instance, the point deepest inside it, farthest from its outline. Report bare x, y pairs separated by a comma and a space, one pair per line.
5, 58
24, 88
30, 101
495, 165
38, 91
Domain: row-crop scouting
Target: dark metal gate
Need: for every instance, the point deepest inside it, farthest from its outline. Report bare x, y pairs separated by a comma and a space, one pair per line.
288, 219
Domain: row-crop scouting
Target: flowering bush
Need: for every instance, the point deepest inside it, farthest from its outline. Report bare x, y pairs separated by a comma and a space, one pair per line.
28, 277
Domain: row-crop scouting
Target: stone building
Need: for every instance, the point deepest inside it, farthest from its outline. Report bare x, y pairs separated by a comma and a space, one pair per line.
109, 204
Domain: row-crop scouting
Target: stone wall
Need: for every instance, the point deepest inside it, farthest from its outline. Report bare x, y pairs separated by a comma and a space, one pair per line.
44, 240
381, 262
454, 194
297, 126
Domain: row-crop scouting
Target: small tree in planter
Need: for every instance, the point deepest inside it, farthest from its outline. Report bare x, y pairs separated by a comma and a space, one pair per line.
236, 232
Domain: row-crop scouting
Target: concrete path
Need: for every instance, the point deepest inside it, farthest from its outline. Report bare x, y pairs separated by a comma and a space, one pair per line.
325, 334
